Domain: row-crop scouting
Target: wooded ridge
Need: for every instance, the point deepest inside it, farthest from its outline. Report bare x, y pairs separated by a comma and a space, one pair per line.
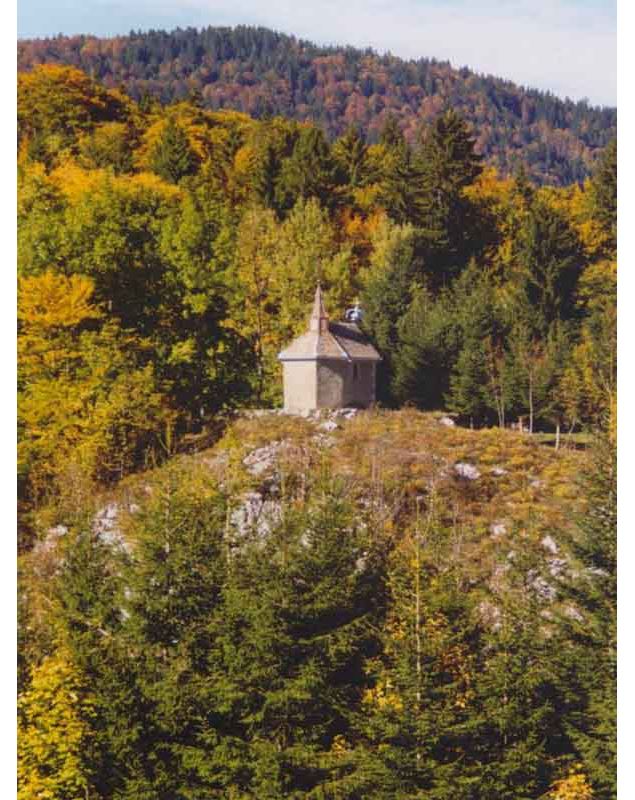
264, 73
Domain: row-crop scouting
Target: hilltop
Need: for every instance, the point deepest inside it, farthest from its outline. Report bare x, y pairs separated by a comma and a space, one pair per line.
264, 73
494, 489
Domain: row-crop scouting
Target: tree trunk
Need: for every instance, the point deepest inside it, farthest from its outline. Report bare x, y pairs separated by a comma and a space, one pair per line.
418, 616
531, 404
558, 435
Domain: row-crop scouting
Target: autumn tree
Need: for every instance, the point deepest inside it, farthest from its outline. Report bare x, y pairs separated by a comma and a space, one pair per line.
56, 753
57, 103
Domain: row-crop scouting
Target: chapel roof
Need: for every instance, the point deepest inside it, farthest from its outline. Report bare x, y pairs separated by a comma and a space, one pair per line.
329, 340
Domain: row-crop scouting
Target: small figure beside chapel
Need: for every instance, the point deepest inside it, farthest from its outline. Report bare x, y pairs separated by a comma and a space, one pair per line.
332, 365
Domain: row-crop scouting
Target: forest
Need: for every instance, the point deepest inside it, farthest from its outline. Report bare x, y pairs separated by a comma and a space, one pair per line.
264, 74
416, 609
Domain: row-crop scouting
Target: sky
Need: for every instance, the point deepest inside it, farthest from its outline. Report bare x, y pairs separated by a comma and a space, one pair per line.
565, 46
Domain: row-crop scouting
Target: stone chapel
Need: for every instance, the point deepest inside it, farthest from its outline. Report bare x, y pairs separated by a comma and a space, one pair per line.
332, 365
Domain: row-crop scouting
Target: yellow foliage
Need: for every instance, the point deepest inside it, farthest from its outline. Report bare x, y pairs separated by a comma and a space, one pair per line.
54, 733
573, 787
75, 181
383, 697
52, 301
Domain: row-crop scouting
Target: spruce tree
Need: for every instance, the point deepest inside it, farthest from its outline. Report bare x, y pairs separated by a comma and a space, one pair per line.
309, 172
587, 662
550, 263
428, 334
444, 165
173, 588
350, 153
173, 157
395, 173
604, 195
299, 613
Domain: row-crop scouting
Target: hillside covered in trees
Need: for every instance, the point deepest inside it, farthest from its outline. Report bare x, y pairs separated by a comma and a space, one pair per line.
221, 601
263, 74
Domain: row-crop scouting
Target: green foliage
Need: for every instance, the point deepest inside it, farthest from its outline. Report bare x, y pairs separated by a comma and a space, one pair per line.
604, 194
387, 291
588, 627
309, 172
172, 157
550, 263
444, 166
427, 343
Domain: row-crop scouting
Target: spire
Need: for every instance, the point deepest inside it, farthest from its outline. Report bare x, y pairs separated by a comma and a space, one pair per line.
319, 318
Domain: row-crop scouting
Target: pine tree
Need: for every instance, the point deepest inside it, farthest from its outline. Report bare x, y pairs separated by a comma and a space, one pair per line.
479, 381
350, 153
427, 347
604, 195
173, 157
393, 168
550, 261
418, 723
444, 165
309, 172
587, 662
173, 585
298, 620
388, 286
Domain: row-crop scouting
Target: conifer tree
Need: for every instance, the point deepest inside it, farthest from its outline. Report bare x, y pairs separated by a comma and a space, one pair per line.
388, 286
309, 172
350, 153
299, 610
394, 171
428, 334
550, 261
604, 195
173, 157
418, 723
587, 663
444, 165
173, 584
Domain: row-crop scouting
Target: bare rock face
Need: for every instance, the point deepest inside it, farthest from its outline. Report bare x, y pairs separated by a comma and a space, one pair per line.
262, 459
256, 514
467, 471
106, 525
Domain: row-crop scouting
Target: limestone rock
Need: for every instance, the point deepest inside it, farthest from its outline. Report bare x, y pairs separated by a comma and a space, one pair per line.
262, 459
467, 471
256, 513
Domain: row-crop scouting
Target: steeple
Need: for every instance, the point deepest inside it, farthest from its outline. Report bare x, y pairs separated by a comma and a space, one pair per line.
319, 318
